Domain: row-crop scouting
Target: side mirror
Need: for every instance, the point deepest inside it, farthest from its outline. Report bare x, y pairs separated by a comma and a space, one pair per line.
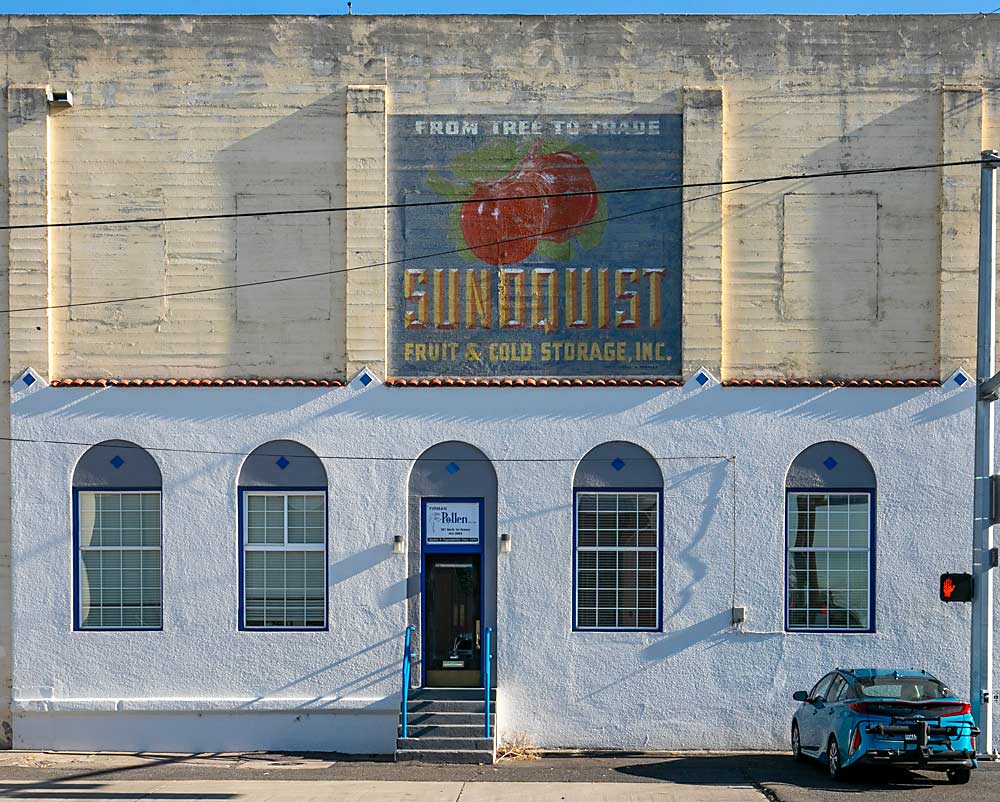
801, 696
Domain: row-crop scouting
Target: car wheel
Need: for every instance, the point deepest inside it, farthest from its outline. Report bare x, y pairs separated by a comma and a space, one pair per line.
796, 742
833, 760
959, 776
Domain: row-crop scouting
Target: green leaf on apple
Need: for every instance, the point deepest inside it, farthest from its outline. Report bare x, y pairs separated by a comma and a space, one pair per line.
552, 146
556, 251
440, 185
492, 161
589, 155
590, 235
456, 236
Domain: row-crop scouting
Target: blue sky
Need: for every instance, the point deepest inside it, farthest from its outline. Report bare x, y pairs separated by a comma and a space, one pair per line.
495, 6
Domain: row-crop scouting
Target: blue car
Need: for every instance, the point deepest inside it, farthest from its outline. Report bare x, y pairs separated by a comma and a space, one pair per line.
868, 716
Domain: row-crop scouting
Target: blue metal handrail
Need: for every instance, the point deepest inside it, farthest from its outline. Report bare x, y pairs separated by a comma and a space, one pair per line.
487, 665
407, 661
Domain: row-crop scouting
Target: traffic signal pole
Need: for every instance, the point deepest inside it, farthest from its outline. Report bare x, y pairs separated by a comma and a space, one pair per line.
981, 674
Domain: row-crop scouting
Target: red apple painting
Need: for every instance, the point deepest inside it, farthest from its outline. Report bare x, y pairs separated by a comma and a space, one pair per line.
552, 201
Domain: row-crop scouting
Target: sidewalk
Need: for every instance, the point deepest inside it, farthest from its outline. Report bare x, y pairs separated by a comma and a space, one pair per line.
358, 791
555, 777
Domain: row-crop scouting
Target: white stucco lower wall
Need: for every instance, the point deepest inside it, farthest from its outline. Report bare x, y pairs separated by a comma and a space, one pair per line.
199, 731
203, 684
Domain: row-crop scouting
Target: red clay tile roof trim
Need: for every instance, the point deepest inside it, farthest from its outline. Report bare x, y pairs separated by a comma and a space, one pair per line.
495, 382
832, 383
533, 382
197, 383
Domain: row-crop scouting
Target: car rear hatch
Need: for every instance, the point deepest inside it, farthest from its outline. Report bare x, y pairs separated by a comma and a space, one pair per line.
927, 729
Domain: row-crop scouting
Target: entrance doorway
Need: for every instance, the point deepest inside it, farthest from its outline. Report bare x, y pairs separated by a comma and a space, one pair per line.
453, 620
452, 571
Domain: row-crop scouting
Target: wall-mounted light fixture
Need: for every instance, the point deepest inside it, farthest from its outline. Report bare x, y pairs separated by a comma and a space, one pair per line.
59, 99
398, 545
505, 543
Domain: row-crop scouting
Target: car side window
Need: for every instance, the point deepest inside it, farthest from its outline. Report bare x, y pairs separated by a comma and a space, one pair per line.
821, 687
838, 690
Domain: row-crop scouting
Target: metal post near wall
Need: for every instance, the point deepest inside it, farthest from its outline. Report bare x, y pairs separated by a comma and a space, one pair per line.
981, 674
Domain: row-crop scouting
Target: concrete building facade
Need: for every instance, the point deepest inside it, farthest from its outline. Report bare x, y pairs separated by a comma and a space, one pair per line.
712, 361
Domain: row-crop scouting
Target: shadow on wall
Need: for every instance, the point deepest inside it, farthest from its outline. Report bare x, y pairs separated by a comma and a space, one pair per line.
357, 563
356, 684
214, 403
471, 405
831, 405
850, 251
708, 633
717, 475
296, 162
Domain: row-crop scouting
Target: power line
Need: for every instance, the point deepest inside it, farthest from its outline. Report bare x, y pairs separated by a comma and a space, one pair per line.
338, 457
403, 260
731, 186
498, 199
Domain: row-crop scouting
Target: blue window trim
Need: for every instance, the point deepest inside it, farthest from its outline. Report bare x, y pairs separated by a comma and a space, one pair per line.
77, 622
659, 558
445, 548
872, 541
241, 495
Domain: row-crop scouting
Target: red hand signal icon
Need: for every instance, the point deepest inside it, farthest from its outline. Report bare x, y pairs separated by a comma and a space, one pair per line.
947, 588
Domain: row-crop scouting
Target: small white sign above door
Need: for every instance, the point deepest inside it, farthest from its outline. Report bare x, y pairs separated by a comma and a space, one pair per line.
452, 522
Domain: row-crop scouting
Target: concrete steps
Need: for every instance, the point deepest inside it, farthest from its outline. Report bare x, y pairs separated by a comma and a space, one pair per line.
444, 731
445, 725
444, 756
431, 742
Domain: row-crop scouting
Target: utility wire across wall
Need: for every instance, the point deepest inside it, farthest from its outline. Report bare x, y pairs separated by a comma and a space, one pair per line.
730, 460
731, 186
403, 260
119, 446
496, 199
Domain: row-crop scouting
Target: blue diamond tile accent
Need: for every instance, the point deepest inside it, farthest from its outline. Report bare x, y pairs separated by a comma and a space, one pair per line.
117, 461
701, 378
452, 468
365, 379
28, 380
830, 463
960, 379
282, 463
617, 463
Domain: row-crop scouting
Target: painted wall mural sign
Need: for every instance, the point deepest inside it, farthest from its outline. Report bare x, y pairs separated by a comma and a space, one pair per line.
451, 522
586, 284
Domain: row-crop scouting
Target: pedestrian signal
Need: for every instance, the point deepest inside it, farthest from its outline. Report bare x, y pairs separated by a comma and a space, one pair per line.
956, 587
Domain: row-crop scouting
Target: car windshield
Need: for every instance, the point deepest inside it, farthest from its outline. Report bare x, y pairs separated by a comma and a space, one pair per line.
907, 689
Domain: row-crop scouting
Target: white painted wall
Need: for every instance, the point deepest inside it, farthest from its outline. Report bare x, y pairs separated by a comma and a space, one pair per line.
202, 684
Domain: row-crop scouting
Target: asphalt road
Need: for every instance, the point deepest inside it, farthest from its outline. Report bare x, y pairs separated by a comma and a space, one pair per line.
689, 776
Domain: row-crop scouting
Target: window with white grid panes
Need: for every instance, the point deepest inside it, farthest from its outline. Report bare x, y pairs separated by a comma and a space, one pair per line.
829, 561
119, 560
617, 560
284, 560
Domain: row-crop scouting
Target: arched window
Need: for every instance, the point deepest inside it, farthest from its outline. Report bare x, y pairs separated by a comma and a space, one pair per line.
116, 535
830, 540
283, 527
617, 539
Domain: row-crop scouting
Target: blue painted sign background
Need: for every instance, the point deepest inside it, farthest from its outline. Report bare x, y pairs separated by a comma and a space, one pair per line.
580, 285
